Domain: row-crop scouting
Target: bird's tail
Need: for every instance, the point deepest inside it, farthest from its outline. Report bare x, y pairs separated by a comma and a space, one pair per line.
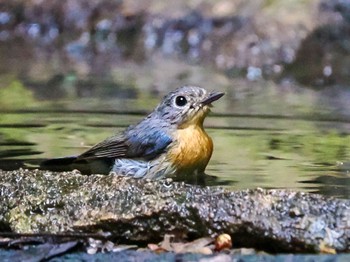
59, 164
97, 166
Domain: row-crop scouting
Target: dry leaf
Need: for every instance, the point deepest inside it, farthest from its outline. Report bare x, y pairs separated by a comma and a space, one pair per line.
325, 249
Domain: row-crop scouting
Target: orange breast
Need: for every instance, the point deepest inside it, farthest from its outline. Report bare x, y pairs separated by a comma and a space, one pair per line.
192, 150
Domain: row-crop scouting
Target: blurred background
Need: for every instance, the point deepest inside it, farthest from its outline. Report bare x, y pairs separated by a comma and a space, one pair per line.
73, 72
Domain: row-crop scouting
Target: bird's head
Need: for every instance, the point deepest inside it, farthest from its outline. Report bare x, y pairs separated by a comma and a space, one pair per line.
187, 105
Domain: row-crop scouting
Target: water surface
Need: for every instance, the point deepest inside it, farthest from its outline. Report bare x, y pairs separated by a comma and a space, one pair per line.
265, 135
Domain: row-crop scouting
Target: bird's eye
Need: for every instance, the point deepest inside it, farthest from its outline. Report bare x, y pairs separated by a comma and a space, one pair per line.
180, 101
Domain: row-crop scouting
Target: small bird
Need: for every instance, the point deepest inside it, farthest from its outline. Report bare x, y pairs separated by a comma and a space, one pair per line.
170, 142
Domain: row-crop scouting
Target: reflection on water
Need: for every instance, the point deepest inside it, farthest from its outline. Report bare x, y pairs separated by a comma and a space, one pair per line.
64, 90
267, 140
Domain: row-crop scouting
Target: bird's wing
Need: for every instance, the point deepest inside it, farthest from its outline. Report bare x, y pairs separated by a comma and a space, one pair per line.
136, 144
114, 146
149, 144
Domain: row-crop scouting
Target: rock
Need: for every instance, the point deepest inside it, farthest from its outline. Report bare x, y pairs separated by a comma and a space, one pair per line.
131, 210
231, 35
170, 256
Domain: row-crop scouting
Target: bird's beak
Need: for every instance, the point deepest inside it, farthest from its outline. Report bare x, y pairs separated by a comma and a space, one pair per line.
213, 96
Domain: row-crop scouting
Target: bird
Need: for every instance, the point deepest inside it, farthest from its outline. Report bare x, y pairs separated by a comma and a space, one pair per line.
169, 142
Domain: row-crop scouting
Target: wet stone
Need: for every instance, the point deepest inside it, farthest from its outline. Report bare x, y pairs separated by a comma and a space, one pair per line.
133, 211
250, 40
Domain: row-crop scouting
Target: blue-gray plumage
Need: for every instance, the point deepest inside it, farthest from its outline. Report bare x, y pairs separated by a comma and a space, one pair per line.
170, 141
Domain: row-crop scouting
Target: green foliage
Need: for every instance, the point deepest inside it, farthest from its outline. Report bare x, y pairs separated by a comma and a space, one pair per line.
15, 95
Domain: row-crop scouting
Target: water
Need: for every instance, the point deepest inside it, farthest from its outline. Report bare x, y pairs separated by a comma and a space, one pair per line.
265, 135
